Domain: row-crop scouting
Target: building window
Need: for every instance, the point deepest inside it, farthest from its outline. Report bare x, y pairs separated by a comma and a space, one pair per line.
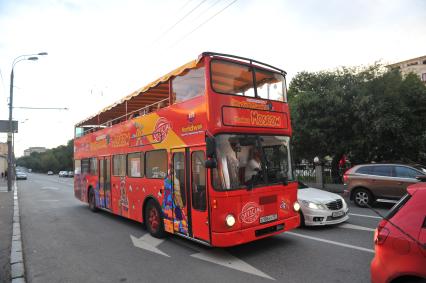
424, 62
119, 165
156, 164
412, 64
135, 164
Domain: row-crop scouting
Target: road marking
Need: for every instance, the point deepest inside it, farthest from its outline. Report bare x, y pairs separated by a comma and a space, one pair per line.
355, 227
330, 242
368, 216
50, 188
221, 257
149, 243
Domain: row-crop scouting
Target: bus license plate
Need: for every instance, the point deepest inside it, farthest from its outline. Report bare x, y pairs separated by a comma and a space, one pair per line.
338, 213
268, 218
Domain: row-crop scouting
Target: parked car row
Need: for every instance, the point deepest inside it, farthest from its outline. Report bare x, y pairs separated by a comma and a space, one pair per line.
66, 174
366, 183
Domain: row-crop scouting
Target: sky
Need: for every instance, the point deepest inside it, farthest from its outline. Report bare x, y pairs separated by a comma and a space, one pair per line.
102, 50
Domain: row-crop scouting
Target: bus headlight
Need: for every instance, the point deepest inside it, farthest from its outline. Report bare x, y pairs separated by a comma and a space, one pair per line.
230, 220
296, 206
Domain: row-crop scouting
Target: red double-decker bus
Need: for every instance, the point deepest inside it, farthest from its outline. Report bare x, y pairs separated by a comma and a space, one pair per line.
203, 152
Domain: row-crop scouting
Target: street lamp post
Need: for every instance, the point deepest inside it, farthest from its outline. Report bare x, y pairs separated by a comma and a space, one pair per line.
10, 150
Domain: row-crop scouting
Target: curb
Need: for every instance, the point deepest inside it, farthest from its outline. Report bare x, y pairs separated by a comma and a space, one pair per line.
17, 267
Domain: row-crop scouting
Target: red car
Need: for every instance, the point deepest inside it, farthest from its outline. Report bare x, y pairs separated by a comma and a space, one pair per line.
400, 240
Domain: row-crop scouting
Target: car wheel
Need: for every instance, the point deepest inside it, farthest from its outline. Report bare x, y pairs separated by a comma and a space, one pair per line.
363, 198
154, 220
92, 201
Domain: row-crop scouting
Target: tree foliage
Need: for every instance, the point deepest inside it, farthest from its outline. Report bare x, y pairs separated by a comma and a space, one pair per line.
56, 159
368, 114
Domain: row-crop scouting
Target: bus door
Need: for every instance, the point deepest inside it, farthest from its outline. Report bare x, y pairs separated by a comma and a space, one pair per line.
190, 211
199, 196
105, 181
181, 213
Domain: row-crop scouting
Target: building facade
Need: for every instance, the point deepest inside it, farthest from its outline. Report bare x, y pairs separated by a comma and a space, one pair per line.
415, 65
30, 150
3, 157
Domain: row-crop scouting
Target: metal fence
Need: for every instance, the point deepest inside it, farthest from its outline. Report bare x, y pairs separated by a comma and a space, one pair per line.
307, 173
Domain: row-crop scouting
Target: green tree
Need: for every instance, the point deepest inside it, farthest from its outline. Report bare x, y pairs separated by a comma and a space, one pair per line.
366, 113
56, 159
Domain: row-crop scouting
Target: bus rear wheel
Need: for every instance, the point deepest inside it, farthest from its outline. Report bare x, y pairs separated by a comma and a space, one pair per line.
154, 220
92, 201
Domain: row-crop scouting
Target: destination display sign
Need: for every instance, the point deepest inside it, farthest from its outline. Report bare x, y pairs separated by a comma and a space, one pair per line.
243, 117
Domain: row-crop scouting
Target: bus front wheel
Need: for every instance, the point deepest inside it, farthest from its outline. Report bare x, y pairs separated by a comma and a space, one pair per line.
154, 220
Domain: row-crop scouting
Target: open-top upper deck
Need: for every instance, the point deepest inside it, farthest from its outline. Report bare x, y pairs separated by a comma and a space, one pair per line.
250, 84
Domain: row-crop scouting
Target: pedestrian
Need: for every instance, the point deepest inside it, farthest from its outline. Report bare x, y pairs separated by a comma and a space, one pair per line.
2, 175
5, 175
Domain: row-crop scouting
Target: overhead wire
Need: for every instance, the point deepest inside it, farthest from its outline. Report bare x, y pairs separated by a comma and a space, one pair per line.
203, 23
179, 21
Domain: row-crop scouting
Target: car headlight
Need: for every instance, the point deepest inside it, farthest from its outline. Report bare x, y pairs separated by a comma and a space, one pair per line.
312, 205
296, 206
230, 220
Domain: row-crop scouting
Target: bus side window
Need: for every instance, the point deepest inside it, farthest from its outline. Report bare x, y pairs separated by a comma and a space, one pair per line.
156, 164
119, 165
188, 85
199, 199
85, 166
77, 167
93, 166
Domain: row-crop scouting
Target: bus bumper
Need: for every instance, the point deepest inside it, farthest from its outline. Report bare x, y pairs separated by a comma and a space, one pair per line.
234, 238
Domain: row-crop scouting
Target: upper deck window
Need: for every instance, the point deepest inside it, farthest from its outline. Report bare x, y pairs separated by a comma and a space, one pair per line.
189, 85
233, 78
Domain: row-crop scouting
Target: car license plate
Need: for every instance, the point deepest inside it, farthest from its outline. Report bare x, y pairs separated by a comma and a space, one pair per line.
268, 218
338, 214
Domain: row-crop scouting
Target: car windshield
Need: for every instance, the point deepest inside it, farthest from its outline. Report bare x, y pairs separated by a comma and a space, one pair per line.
247, 161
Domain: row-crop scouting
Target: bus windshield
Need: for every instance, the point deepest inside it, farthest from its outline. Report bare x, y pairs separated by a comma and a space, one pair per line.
233, 78
248, 161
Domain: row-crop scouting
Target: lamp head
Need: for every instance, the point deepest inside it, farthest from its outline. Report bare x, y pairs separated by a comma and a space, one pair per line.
42, 53
34, 58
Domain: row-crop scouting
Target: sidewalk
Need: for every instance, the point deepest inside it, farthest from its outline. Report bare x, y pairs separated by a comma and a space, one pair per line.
6, 220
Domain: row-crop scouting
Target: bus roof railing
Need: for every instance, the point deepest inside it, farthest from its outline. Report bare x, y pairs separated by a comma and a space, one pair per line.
136, 113
251, 61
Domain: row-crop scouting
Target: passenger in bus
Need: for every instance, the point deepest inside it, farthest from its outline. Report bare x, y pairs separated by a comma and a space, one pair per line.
253, 166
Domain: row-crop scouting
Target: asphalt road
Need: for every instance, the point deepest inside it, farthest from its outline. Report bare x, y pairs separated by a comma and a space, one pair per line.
65, 242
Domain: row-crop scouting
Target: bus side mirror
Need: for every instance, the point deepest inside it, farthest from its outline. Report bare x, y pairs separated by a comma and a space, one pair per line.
210, 163
285, 181
210, 147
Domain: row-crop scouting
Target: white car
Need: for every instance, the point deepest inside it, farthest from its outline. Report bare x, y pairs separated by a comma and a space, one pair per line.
319, 207
63, 173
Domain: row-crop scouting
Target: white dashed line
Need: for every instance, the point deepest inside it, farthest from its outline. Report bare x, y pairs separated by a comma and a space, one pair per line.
355, 227
368, 216
330, 242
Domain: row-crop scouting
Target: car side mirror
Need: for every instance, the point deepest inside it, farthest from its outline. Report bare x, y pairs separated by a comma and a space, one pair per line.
210, 147
211, 163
